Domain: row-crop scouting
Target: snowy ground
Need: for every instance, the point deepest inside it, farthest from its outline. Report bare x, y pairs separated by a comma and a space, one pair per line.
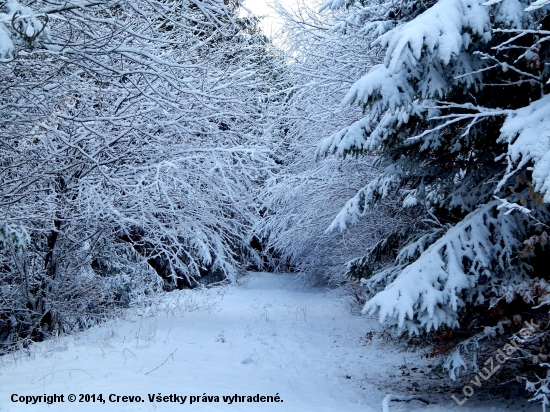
270, 336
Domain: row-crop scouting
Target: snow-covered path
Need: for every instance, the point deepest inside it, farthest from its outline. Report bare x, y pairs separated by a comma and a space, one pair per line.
269, 336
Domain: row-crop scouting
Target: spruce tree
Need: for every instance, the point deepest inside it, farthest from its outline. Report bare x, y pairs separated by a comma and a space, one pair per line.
456, 114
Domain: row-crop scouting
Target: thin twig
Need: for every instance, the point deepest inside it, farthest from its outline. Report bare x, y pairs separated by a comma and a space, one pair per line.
163, 362
62, 370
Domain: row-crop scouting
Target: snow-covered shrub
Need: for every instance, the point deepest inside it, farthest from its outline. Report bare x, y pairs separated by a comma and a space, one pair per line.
131, 143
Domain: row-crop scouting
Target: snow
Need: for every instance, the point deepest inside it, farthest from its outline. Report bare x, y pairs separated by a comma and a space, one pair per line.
332, 5
431, 289
360, 205
526, 131
6, 45
425, 57
438, 30
417, 56
511, 13
24, 20
269, 335
537, 5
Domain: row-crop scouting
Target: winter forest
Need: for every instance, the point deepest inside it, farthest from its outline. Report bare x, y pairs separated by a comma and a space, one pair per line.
390, 157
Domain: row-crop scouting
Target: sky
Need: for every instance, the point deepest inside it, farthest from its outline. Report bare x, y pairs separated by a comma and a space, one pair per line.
260, 7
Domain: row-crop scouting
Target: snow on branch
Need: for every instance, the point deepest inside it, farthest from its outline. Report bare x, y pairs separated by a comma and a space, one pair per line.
380, 82
20, 22
413, 74
438, 31
527, 132
359, 206
334, 4
537, 5
13, 237
429, 292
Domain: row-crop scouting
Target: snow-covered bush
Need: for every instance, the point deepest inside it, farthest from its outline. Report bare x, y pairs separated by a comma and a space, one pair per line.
131, 143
